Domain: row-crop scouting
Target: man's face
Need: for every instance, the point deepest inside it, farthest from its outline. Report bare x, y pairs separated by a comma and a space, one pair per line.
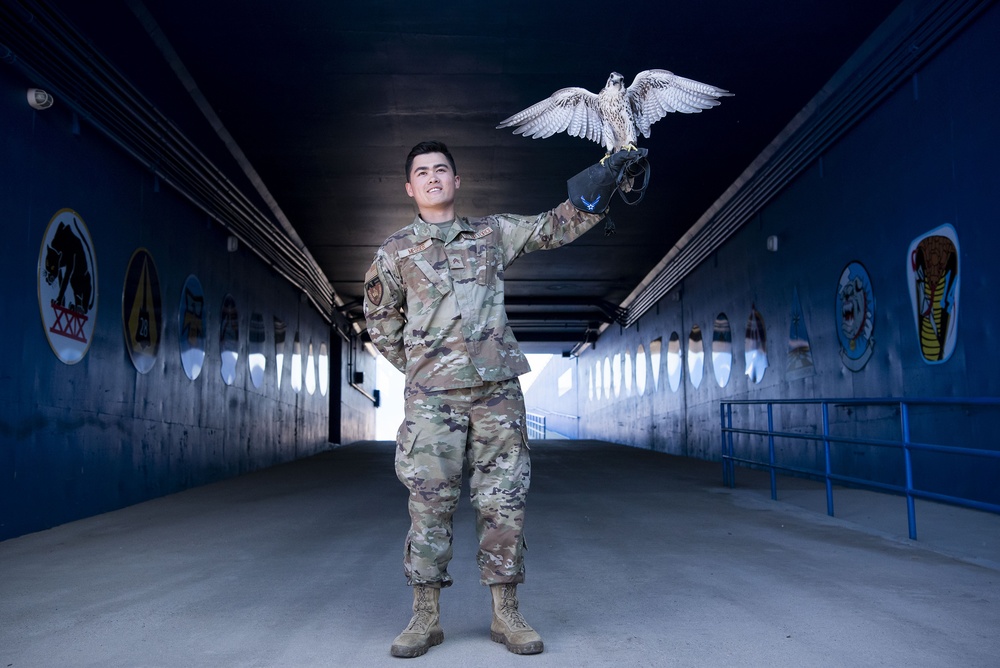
432, 182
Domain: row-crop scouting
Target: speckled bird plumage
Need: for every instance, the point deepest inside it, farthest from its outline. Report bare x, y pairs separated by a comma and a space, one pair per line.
617, 115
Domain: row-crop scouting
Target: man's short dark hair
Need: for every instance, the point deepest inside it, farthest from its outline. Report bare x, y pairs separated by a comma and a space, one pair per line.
428, 147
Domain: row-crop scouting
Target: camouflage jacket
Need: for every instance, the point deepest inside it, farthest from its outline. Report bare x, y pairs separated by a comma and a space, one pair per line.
434, 296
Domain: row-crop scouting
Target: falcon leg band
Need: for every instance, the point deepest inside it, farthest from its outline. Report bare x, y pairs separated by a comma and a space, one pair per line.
634, 168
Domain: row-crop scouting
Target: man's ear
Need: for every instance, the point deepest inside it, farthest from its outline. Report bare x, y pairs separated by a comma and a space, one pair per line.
409, 188
458, 181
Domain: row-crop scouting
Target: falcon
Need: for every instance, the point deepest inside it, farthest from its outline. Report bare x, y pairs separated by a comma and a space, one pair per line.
615, 116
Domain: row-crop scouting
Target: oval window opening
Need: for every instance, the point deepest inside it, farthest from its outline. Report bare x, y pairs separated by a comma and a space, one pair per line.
640, 370
696, 356
674, 361
722, 349
655, 347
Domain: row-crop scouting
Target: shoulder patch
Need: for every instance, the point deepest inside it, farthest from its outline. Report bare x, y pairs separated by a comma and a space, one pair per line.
407, 252
483, 232
373, 290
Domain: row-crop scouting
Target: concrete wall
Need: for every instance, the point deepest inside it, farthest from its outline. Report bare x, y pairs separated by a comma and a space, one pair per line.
79, 439
356, 419
924, 157
555, 395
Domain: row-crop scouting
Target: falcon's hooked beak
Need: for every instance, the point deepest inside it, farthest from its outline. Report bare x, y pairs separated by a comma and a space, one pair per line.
614, 80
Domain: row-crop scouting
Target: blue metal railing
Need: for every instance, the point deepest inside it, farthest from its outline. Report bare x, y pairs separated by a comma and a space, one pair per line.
905, 444
536, 426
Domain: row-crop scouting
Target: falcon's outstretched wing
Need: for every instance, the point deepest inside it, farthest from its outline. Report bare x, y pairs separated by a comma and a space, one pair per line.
570, 110
656, 93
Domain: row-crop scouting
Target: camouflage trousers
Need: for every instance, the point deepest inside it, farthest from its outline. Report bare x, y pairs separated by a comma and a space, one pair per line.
482, 431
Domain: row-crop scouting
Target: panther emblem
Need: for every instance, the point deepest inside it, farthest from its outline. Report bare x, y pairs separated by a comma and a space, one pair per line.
67, 261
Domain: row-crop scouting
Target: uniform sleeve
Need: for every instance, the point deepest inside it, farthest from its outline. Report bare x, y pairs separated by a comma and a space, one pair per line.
385, 303
546, 231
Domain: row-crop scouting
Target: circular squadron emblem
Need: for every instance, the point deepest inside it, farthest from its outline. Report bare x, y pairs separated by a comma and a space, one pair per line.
229, 339
193, 327
142, 310
856, 314
933, 272
67, 286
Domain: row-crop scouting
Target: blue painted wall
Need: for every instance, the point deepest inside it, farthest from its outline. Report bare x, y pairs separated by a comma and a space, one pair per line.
77, 440
927, 155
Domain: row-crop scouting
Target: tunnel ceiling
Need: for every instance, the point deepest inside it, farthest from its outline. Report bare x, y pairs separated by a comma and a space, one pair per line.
325, 99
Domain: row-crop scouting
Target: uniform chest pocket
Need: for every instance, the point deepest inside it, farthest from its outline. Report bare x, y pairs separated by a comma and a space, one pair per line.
488, 257
441, 283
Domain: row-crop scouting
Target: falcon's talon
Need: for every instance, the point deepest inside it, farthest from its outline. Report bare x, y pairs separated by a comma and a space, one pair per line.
606, 156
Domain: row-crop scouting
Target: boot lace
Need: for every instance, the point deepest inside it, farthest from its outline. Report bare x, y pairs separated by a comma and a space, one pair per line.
508, 607
422, 613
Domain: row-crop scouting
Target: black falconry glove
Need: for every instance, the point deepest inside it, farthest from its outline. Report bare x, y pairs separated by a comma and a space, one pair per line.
592, 189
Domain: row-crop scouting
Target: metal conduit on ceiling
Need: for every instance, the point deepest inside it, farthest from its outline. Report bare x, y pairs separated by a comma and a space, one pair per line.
38, 40
828, 117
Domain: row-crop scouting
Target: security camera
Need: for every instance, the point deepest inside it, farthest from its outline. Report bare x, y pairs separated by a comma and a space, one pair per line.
39, 99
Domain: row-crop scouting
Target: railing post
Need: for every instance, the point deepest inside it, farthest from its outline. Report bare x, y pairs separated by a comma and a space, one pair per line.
750, 428
726, 422
826, 456
770, 450
732, 450
911, 515
722, 452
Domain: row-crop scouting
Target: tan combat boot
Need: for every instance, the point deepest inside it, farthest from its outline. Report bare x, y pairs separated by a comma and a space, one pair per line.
424, 630
508, 625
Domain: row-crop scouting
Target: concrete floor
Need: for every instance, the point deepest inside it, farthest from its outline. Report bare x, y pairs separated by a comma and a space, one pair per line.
634, 559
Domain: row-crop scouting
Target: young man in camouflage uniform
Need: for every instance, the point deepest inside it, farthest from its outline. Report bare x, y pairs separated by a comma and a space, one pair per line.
434, 303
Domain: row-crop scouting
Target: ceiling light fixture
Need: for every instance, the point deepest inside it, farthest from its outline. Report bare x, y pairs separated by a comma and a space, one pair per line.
39, 99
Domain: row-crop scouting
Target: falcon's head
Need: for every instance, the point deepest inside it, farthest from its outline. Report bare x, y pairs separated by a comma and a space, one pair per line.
615, 81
